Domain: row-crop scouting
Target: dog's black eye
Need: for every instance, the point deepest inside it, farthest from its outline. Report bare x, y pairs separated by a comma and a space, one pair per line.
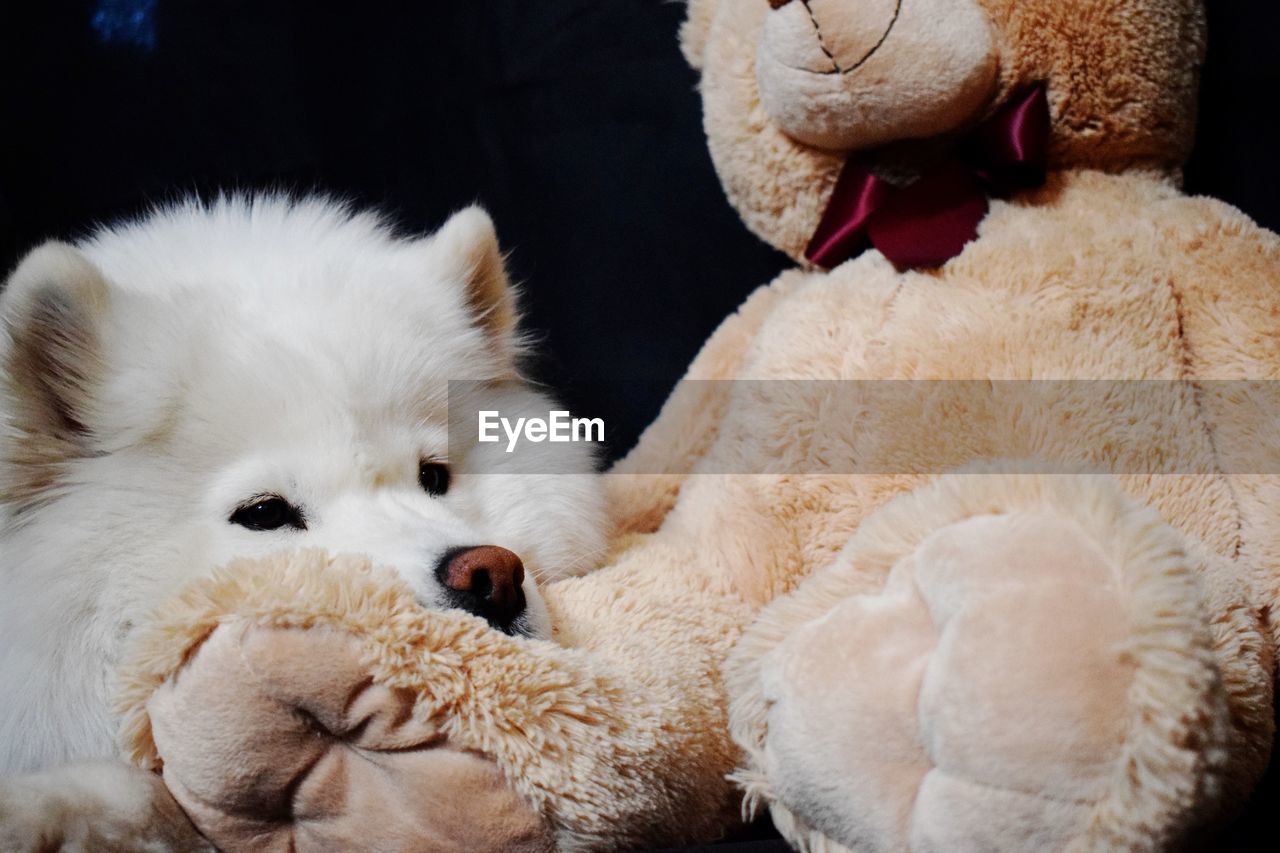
269, 513
434, 477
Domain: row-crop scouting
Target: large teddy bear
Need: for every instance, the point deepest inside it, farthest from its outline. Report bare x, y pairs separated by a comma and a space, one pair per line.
1017, 602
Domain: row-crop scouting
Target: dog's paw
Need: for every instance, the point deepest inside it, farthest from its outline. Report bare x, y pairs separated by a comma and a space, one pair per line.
26, 822
93, 807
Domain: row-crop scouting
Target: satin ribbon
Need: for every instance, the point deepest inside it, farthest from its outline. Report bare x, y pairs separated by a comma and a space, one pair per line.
929, 221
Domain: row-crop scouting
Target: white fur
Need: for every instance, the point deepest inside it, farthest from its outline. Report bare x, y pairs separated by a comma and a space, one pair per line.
259, 346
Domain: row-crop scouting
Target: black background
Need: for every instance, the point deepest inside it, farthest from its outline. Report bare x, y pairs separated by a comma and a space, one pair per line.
575, 122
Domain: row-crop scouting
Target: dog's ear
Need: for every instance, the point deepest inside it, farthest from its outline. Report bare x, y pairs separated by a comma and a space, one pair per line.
52, 309
466, 248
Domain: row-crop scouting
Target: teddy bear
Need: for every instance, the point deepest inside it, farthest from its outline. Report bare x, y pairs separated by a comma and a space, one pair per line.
1000, 658
962, 534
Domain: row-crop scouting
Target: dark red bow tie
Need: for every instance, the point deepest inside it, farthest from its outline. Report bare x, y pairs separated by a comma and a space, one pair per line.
928, 222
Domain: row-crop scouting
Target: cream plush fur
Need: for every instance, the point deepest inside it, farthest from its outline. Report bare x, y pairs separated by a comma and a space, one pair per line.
1003, 657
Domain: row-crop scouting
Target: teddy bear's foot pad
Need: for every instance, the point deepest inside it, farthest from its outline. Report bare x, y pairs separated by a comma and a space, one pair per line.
1022, 677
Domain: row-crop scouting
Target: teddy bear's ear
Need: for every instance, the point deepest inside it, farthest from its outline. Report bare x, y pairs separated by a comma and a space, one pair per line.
52, 310
694, 30
466, 250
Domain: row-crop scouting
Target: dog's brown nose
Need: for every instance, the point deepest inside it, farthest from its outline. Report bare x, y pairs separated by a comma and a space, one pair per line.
485, 580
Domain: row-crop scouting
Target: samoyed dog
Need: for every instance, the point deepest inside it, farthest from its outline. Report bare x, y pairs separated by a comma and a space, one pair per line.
227, 380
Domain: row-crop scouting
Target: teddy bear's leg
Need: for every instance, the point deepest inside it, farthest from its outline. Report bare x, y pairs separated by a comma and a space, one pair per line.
1037, 670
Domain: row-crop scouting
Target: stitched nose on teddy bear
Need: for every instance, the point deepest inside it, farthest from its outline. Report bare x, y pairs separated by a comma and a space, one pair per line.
484, 580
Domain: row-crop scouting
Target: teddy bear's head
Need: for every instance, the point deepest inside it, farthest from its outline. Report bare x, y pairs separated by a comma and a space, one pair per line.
791, 87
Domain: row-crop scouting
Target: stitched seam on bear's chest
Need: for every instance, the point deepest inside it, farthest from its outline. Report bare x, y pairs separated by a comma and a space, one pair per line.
1186, 372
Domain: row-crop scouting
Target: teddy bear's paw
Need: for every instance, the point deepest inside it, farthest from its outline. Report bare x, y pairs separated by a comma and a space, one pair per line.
104, 805
1020, 682
278, 736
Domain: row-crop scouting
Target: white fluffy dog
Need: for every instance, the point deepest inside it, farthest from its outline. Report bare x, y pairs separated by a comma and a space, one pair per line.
258, 374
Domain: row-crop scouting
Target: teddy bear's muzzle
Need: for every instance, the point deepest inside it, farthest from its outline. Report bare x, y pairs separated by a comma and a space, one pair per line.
843, 75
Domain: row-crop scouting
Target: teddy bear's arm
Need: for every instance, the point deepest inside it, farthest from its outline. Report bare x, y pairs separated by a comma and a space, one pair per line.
308, 700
